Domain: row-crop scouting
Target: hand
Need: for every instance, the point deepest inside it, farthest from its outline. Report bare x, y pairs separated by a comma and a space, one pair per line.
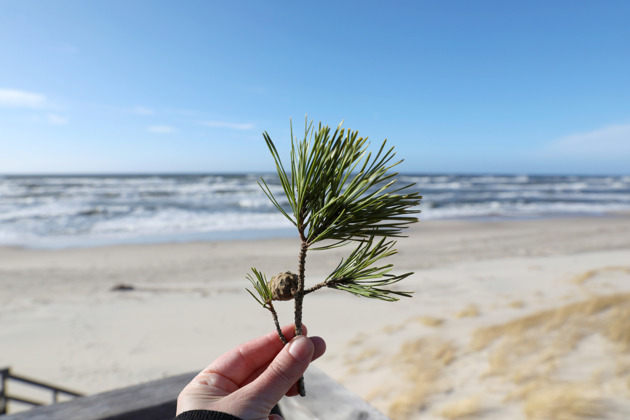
249, 380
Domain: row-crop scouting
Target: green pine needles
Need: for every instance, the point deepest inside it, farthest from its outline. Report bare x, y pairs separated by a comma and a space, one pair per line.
339, 194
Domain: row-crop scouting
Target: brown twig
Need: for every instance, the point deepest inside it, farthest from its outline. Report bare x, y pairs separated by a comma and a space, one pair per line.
299, 299
275, 320
299, 293
316, 287
327, 283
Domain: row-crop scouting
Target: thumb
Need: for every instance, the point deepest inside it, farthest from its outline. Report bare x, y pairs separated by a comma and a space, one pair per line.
283, 372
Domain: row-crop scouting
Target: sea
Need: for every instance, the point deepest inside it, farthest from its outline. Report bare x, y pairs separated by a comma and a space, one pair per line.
89, 210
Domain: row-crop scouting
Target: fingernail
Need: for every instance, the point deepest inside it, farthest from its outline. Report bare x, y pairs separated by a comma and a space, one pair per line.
300, 348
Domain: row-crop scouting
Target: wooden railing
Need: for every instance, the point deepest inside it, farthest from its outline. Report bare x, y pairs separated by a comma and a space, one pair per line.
326, 399
5, 397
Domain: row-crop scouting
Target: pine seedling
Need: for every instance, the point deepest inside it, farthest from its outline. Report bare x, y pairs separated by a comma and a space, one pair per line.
338, 194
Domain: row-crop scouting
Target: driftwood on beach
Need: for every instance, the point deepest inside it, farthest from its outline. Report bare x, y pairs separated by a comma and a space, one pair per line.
156, 400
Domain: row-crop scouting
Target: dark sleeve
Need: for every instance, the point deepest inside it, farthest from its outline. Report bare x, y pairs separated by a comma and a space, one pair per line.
205, 415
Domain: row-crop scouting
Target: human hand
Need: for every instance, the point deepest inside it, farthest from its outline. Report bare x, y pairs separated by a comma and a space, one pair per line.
249, 380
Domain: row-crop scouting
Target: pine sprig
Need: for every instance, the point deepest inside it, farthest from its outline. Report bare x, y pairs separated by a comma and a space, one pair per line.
330, 199
339, 193
261, 286
265, 298
358, 275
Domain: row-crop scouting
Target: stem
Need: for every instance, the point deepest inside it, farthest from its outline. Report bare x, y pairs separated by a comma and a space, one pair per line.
299, 298
316, 287
327, 283
299, 293
275, 320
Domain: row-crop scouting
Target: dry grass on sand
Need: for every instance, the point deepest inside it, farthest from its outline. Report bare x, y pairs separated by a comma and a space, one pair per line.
542, 356
420, 364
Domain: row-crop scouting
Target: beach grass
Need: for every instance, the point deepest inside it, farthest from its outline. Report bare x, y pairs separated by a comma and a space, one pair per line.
430, 321
467, 408
420, 364
470, 311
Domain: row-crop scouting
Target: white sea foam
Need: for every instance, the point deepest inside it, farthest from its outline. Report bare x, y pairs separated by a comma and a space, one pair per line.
88, 209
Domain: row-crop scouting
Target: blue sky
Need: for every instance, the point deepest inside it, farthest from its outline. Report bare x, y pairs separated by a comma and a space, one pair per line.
189, 86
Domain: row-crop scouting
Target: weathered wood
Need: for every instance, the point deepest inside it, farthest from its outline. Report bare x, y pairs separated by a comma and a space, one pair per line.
4, 374
5, 398
54, 388
156, 400
327, 399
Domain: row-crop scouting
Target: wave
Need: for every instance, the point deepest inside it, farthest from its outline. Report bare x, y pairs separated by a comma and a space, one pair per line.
45, 209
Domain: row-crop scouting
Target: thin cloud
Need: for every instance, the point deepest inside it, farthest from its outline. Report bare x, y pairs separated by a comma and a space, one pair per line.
231, 126
162, 129
14, 98
610, 141
142, 110
56, 119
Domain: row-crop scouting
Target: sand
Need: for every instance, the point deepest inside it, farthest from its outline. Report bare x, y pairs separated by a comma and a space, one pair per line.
509, 319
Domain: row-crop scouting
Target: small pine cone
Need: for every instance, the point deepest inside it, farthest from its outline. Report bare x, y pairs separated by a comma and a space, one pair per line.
283, 286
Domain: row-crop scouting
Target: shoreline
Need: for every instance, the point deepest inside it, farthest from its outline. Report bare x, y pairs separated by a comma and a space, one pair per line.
60, 321
247, 235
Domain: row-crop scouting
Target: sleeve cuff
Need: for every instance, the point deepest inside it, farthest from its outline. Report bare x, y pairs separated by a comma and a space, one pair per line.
205, 415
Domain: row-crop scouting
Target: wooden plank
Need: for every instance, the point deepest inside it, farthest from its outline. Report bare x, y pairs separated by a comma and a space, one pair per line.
154, 400
33, 382
157, 400
4, 373
327, 399
24, 400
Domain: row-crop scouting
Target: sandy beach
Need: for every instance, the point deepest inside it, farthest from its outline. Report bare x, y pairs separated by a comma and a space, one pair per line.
509, 320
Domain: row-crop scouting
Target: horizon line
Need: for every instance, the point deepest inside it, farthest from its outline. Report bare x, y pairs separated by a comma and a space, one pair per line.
199, 173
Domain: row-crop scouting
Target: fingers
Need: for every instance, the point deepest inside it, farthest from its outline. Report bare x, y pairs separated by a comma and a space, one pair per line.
253, 376
283, 372
320, 348
238, 364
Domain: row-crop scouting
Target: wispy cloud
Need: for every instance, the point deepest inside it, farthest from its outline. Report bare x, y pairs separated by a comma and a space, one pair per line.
162, 129
56, 119
142, 110
21, 99
231, 126
610, 141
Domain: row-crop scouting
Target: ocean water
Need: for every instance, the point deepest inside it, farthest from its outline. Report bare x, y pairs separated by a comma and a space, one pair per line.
64, 211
